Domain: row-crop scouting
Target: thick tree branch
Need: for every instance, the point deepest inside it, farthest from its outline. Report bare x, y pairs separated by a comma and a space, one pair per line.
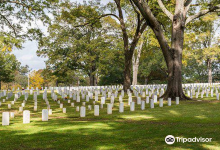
138, 18
9, 23
123, 27
187, 3
202, 13
165, 10
187, 6
137, 12
137, 37
155, 26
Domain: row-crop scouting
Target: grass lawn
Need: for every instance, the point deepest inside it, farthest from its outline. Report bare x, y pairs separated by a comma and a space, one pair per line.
141, 129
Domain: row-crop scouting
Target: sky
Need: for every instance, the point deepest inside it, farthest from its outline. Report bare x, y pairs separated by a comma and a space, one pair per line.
27, 55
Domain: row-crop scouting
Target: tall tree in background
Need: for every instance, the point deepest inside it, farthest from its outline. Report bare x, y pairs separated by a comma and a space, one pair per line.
201, 50
136, 60
173, 54
71, 45
130, 40
209, 50
8, 66
124, 14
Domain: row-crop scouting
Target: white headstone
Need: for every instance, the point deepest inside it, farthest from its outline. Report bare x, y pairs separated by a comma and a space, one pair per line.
50, 112
64, 110
12, 114
20, 109
177, 100
160, 102
35, 108
87, 98
121, 107
78, 99
45, 115
77, 108
82, 111
89, 107
142, 105
155, 98
169, 101
132, 106
151, 103
61, 105
96, 110
109, 108
147, 99
102, 100
138, 100
26, 116
129, 100
5, 118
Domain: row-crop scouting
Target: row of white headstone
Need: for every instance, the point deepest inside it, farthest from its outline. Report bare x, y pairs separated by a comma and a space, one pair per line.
47, 112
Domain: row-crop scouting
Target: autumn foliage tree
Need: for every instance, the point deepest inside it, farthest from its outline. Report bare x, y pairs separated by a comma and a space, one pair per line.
36, 80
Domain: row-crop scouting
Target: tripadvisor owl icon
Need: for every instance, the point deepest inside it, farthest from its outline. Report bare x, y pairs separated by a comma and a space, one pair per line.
169, 139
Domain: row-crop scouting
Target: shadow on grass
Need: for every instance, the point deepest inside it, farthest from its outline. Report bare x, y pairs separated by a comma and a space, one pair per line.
129, 130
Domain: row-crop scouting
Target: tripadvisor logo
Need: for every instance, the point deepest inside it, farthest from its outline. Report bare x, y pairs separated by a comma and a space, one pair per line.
169, 139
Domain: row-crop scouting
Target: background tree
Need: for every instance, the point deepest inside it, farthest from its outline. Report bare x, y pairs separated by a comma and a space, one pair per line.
8, 67
75, 49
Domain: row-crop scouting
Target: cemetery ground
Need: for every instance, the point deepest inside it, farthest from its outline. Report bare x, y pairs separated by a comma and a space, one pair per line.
140, 129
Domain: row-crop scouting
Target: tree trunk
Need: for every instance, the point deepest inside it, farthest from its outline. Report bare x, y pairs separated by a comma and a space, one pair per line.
127, 72
78, 82
209, 65
135, 72
135, 62
174, 63
92, 80
92, 77
146, 80
0, 85
174, 86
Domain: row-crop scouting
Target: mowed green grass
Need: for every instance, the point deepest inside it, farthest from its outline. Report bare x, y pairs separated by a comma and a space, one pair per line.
141, 129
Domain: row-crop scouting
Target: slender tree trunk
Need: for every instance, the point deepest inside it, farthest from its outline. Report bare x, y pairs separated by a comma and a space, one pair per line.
209, 65
78, 82
0, 85
146, 80
135, 62
128, 51
135, 72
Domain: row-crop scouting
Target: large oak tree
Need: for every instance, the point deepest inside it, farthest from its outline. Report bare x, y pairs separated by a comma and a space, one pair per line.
173, 53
